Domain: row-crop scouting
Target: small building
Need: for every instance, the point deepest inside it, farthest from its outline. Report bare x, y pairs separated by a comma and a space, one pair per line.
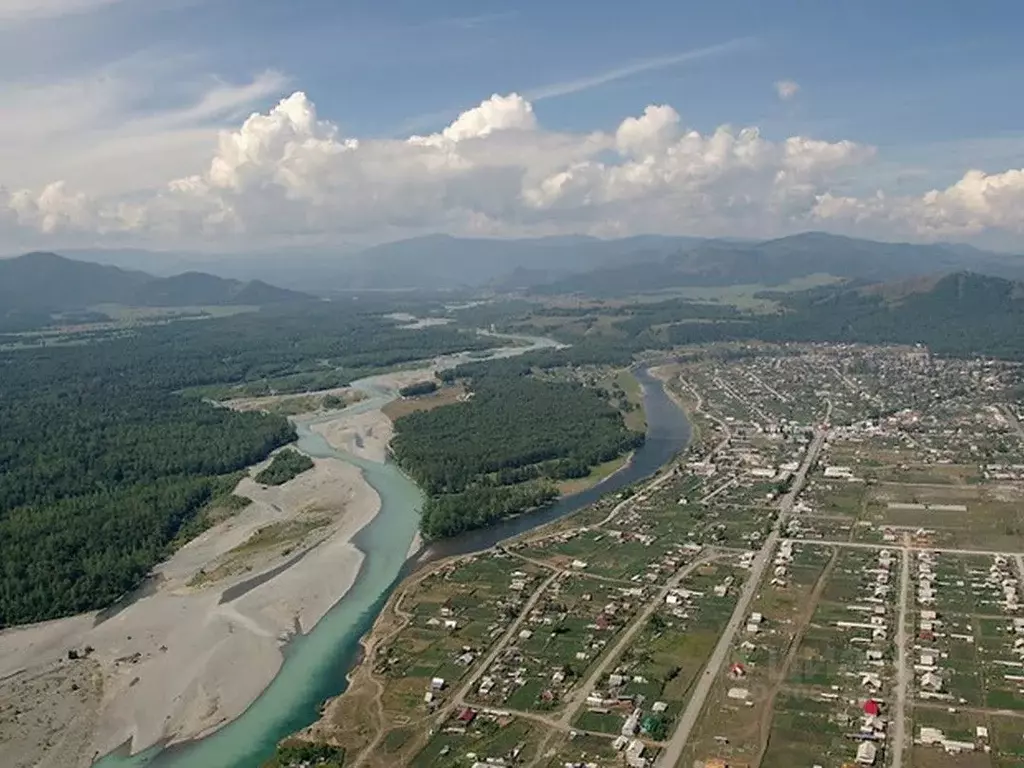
635, 754
866, 753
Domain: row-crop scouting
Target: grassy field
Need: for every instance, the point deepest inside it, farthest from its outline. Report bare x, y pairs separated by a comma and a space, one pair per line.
597, 474
403, 406
744, 296
284, 536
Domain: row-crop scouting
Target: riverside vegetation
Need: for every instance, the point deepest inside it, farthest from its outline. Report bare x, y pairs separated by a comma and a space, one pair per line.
284, 466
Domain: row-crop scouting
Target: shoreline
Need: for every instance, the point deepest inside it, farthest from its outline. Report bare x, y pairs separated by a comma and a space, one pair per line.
179, 661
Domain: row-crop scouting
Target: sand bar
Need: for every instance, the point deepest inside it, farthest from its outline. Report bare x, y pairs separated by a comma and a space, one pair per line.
181, 661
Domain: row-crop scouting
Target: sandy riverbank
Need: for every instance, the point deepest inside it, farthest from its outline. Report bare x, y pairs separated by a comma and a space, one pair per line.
365, 435
190, 656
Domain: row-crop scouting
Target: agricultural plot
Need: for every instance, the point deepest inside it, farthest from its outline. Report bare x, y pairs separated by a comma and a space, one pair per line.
472, 736
456, 614
738, 715
624, 555
655, 675
566, 632
842, 671
977, 739
969, 637
583, 749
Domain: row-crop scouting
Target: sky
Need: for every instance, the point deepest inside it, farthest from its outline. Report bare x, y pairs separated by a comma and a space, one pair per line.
225, 125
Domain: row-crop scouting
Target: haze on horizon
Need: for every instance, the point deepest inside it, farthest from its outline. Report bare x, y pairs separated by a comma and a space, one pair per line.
228, 125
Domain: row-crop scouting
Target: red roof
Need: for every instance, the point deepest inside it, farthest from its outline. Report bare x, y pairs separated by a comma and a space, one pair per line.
467, 715
871, 707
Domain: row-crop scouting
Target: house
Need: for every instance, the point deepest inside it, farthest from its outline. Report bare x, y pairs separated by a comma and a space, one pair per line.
866, 753
629, 727
931, 681
635, 754
467, 716
872, 708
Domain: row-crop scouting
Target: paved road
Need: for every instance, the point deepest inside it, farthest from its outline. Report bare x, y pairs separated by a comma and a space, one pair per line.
903, 668
674, 751
579, 696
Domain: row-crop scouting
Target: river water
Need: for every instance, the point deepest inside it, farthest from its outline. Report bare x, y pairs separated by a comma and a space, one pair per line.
316, 664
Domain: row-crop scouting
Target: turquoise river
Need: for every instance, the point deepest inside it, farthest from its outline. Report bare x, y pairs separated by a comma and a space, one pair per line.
315, 664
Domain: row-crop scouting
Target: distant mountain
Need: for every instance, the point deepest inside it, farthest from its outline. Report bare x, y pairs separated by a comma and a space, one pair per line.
441, 261
200, 289
38, 284
776, 262
571, 264
46, 281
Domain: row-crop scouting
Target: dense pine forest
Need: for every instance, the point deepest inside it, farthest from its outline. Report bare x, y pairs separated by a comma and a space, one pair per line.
501, 451
107, 451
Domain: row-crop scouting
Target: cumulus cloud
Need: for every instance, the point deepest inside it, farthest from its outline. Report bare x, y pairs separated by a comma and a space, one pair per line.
786, 89
977, 203
494, 169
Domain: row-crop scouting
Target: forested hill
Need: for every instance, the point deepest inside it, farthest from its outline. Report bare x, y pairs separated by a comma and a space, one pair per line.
499, 452
961, 314
46, 282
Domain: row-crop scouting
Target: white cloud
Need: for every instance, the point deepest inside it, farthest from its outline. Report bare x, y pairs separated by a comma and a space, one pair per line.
287, 172
97, 130
786, 89
497, 113
977, 203
13, 11
567, 87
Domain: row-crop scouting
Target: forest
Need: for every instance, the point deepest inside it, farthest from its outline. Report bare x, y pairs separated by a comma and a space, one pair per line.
500, 452
106, 455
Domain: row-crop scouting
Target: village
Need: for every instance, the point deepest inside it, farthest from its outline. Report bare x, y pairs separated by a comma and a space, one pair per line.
829, 577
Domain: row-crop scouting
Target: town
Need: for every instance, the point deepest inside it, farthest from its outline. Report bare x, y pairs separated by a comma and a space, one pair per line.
830, 576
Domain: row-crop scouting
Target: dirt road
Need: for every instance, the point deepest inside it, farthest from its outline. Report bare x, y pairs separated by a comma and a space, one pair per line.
903, 668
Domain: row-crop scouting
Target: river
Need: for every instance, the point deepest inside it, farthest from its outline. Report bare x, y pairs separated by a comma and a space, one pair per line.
316, 664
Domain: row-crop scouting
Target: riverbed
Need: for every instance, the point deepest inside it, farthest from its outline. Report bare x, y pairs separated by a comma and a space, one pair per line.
316, 663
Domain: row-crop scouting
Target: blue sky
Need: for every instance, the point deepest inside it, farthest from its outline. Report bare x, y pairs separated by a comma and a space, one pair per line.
933, 87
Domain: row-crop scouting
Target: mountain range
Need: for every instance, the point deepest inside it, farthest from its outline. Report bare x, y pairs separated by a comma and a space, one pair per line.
38, 285
569, 264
